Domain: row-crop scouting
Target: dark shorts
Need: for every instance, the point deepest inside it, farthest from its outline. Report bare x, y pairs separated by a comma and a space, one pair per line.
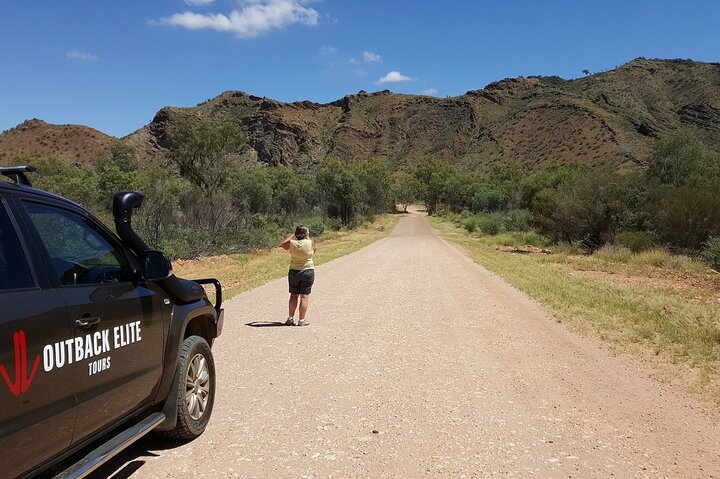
301, 282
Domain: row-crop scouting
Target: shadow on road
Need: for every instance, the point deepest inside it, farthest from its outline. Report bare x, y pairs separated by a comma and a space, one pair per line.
129, 461
265, 324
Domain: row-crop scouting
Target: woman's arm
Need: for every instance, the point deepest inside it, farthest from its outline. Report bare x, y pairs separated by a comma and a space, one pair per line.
286, 244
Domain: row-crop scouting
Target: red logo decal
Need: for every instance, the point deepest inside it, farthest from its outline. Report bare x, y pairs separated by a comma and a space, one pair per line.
22, 381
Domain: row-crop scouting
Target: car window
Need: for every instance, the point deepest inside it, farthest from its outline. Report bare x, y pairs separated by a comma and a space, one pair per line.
14, 269
79, 252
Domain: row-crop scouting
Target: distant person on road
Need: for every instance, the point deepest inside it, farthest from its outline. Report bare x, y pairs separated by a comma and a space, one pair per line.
302, 273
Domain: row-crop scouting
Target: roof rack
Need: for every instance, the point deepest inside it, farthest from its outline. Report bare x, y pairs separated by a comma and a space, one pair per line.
17, 174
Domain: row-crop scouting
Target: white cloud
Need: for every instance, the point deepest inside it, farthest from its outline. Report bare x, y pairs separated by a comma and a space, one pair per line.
370, 57
394, 77
199, 3
431, 91
254, 18
353, 61
78, 55
328, 49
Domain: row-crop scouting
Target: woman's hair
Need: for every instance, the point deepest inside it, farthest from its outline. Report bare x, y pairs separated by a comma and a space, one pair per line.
302, 232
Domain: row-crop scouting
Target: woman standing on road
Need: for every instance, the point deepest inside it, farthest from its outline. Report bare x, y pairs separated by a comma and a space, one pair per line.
302, 272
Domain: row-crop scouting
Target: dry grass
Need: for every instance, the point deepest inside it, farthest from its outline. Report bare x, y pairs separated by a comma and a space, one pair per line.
655, 305
243, 271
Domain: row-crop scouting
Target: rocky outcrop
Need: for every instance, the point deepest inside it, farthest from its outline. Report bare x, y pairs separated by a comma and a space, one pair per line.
609, 119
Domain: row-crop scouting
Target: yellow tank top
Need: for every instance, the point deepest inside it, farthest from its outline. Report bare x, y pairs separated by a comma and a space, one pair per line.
301, 254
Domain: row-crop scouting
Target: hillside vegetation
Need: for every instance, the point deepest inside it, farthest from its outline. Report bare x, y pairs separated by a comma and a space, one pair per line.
606, 119
72, 144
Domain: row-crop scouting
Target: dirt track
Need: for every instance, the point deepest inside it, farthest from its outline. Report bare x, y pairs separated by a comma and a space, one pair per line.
419, 363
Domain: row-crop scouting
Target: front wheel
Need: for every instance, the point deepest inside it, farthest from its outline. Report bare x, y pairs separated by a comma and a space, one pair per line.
195, 389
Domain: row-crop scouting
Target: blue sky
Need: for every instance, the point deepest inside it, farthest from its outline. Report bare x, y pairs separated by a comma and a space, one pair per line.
112, 64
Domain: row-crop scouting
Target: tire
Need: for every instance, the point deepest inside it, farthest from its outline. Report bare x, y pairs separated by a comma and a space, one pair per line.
195, 389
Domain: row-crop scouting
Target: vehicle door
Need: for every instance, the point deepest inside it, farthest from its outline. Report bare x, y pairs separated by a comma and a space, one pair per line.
37, 400
117, 321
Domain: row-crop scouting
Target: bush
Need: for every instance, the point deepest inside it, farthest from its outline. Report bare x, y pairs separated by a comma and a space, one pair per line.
635, 241
711, 252
491, 224
518, 220
470, 224
316, 227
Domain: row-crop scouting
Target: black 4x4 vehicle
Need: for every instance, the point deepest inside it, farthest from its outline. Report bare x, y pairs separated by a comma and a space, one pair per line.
96, 334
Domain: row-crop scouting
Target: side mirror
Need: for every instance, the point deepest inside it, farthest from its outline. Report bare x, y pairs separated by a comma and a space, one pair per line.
156, 266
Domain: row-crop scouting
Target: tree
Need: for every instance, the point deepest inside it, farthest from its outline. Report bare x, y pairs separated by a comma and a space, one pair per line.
116, 171
252, 189
342, 190
680, 159
205, 150
289, 193
407, 190
161, 207
582, 208
433, 176
683, 180
77, 183
586, 72
375, 177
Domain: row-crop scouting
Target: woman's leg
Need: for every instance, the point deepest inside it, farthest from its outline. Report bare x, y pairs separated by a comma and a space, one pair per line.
292, 305
304, 299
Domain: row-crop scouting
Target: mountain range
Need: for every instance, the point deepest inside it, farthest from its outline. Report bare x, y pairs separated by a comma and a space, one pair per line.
604, 119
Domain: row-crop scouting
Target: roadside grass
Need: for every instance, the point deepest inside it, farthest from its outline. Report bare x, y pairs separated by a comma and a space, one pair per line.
243, 271
655, 305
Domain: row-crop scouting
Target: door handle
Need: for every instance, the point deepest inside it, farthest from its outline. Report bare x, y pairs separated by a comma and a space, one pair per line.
87, 322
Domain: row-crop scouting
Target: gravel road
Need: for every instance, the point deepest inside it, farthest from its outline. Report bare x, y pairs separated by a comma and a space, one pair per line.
419, 363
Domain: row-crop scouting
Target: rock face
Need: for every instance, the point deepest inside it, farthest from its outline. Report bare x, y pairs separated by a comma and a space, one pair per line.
70, 143
608, 118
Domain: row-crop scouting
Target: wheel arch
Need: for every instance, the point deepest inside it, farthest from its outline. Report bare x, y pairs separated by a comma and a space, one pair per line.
187, 320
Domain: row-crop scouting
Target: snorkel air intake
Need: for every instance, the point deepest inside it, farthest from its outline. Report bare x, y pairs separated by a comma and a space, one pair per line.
124, 204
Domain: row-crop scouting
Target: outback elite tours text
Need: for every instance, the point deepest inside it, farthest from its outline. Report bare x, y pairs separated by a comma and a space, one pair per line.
90, 346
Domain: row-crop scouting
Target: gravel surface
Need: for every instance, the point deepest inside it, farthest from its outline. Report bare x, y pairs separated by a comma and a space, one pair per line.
419, 363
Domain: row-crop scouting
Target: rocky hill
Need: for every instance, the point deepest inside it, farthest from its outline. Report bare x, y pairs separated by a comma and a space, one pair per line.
74, 144
607, 118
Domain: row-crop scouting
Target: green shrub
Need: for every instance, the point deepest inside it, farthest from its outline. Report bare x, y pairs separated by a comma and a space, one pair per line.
470, 224
316, 226
259, 220
518, 220
711, 252
635, 241
334, 224
491, 224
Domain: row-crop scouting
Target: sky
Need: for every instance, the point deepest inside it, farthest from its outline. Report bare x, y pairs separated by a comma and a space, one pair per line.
112, 64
